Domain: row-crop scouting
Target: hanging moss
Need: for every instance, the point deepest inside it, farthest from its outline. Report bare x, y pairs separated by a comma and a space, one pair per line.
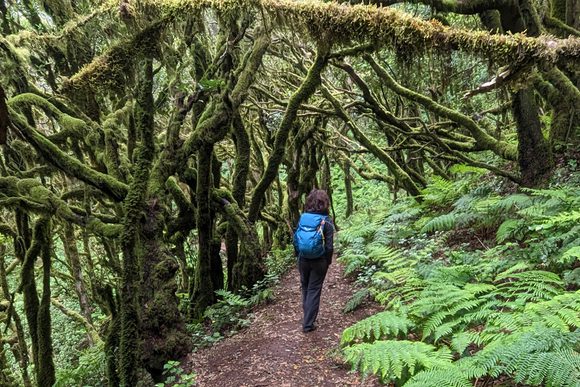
70, 165
113, 69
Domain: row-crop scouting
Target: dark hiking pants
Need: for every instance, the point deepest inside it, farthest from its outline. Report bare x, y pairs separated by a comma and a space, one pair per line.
312, 273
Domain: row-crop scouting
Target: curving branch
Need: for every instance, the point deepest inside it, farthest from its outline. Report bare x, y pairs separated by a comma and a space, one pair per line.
482, 138
303, 92
466, 7
68, 164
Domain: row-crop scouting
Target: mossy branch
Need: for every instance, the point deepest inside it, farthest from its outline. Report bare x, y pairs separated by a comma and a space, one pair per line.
394, 168
79, 319
111, 70
482, 138
367, 174
69, 165
470, 7
304, 91
394, 27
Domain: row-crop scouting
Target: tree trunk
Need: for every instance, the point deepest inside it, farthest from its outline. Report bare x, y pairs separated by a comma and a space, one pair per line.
348, 190
534, 154
202, 294
72, 253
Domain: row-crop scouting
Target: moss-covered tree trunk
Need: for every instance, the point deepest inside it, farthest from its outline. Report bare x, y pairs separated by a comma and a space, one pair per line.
348, 190
38, 311
19, 349
203, 289
72, 254
129, 353
534, 152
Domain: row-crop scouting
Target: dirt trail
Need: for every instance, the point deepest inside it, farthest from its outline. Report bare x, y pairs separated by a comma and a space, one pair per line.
273, 351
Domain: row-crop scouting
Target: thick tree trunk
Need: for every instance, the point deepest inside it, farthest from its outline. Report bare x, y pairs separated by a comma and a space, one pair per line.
19, 349
202, 292
38, 312
534, 154
163, 330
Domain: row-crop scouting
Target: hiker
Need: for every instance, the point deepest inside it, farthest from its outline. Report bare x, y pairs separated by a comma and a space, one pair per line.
313, 243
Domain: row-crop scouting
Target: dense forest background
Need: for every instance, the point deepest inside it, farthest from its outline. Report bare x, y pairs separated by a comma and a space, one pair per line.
155, 156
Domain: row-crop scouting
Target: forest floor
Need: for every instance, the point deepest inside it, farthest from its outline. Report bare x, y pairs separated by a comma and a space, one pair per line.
273, 350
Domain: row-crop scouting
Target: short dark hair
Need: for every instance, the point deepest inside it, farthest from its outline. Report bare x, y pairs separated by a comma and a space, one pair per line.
317, 201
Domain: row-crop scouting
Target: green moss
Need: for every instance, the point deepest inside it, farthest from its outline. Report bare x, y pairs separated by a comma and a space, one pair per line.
71, 125
113, 69
68, 164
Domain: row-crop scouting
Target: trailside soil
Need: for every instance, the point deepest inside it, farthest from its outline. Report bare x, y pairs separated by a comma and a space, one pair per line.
273, 350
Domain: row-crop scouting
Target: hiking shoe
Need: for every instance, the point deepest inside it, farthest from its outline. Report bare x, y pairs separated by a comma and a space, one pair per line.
309, 329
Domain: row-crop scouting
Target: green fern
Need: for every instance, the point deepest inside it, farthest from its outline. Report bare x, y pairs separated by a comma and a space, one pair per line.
571, 255
396, 360
384, 254
353, 262
461, 340
563, 219
562, 313
405, 286
357, 299
512, 203
447, 377
443, 222
533, 285
380, 325
539, 356
511, 229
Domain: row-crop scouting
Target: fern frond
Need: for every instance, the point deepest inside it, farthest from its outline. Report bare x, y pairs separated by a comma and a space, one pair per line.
356, 300
390, 359
533, 285
561, 312
513, 202
404, 293
511, 229
382, 253
562, 219
461, 340
571, 255
455, 275
380, 325
353, 262
443, 222
447, 377
539, 356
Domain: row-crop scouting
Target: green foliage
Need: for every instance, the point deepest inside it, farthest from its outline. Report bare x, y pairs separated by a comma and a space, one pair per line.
538, 356
507, 306
449, 377
396, 360
175, 376
231, 313
381, 325
357, 299
90, 370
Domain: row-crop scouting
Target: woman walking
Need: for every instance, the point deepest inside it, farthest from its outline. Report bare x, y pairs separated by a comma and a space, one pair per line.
313, 242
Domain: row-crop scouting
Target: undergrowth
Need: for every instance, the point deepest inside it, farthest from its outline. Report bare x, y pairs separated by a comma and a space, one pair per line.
477, 285
233, 311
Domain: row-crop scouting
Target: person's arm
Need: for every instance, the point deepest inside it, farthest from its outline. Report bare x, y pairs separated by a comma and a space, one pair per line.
329, 239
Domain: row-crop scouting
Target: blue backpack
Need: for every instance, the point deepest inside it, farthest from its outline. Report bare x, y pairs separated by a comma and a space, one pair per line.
309, 236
